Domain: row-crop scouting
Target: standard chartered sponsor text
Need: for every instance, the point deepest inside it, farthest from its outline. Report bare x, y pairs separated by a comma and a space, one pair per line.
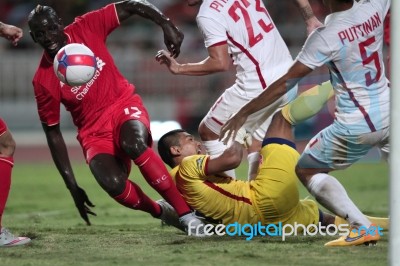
80, 93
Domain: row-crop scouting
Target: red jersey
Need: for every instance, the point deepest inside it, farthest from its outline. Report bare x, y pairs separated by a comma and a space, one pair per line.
386, 28
91, 103
3, 127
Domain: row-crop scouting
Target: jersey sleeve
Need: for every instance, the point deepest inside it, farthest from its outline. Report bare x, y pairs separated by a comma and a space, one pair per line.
212, 30
194, 167
315, 51
48, 106
101, 22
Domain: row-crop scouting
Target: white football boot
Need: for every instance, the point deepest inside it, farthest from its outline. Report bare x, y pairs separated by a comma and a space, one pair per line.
189, 223
7, 239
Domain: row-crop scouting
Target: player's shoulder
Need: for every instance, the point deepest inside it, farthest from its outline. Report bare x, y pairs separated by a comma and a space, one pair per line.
44, 74
93, 15
319, 33
212, 8
193, 162
320, 29
45, 64
328, 30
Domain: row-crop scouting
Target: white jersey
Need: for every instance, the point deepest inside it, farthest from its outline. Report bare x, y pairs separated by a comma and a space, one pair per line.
257, 49
350, 44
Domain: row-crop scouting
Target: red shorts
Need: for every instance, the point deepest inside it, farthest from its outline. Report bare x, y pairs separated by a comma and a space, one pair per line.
3, 127
105, 132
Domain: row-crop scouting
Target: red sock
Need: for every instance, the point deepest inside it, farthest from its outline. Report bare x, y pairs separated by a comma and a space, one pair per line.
156, 174
134, 198
6, 164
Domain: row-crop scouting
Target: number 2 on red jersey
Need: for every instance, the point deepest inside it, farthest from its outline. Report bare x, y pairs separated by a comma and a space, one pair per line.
239, 10
133, 111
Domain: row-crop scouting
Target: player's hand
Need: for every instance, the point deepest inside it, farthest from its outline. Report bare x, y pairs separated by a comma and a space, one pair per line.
313, 23
82, 202
244, 137
173, 39
11, 33
163, 57
230, 129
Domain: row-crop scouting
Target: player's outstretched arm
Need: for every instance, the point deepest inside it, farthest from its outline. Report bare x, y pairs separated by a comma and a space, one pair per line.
60, 156
267, 97
218, 60
11, 33
308, 15
173, 37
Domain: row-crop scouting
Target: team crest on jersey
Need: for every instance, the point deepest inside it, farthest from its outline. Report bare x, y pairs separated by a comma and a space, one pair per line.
81, 91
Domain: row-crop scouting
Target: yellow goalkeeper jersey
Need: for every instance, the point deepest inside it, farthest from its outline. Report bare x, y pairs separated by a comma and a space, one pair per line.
272, 197
217, 197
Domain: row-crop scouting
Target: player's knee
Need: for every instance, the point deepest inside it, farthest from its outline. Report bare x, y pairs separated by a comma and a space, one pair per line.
134, 138
205, 133
134, 148
7, 145
114, 185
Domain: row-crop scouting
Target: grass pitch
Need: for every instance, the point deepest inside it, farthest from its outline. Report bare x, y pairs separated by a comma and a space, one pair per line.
41, 207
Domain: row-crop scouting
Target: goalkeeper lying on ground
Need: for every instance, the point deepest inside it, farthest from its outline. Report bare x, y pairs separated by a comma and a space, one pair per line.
272, 197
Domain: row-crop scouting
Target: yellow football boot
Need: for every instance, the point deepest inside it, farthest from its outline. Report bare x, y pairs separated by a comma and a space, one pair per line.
357, 237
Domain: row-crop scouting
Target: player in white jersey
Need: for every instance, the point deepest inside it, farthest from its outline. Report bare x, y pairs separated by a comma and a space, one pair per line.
242, 31
350, 44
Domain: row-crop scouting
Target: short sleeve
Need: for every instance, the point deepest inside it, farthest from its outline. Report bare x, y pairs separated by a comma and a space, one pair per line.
315, 51
213, 31
48, 106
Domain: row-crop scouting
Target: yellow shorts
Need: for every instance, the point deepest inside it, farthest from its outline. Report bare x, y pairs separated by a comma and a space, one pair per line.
275, 188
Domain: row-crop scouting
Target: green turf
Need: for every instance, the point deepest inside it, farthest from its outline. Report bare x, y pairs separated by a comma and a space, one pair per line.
40, 206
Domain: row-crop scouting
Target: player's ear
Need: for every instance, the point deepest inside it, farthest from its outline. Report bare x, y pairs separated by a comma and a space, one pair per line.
175, 150
33, 36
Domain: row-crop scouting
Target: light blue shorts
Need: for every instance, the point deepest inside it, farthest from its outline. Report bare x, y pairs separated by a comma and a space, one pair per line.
332, 149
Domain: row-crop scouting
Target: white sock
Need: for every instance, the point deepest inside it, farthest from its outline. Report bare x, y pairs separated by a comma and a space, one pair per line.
215, 148
328, 191
254, 162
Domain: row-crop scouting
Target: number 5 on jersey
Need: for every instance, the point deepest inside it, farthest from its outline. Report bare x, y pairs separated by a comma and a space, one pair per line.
373, 57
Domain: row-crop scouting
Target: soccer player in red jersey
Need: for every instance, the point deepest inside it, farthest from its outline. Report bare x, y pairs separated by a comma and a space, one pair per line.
113, 124
7, 147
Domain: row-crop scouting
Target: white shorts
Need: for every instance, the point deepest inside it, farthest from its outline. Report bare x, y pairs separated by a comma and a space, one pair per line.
334, 150
233, 99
